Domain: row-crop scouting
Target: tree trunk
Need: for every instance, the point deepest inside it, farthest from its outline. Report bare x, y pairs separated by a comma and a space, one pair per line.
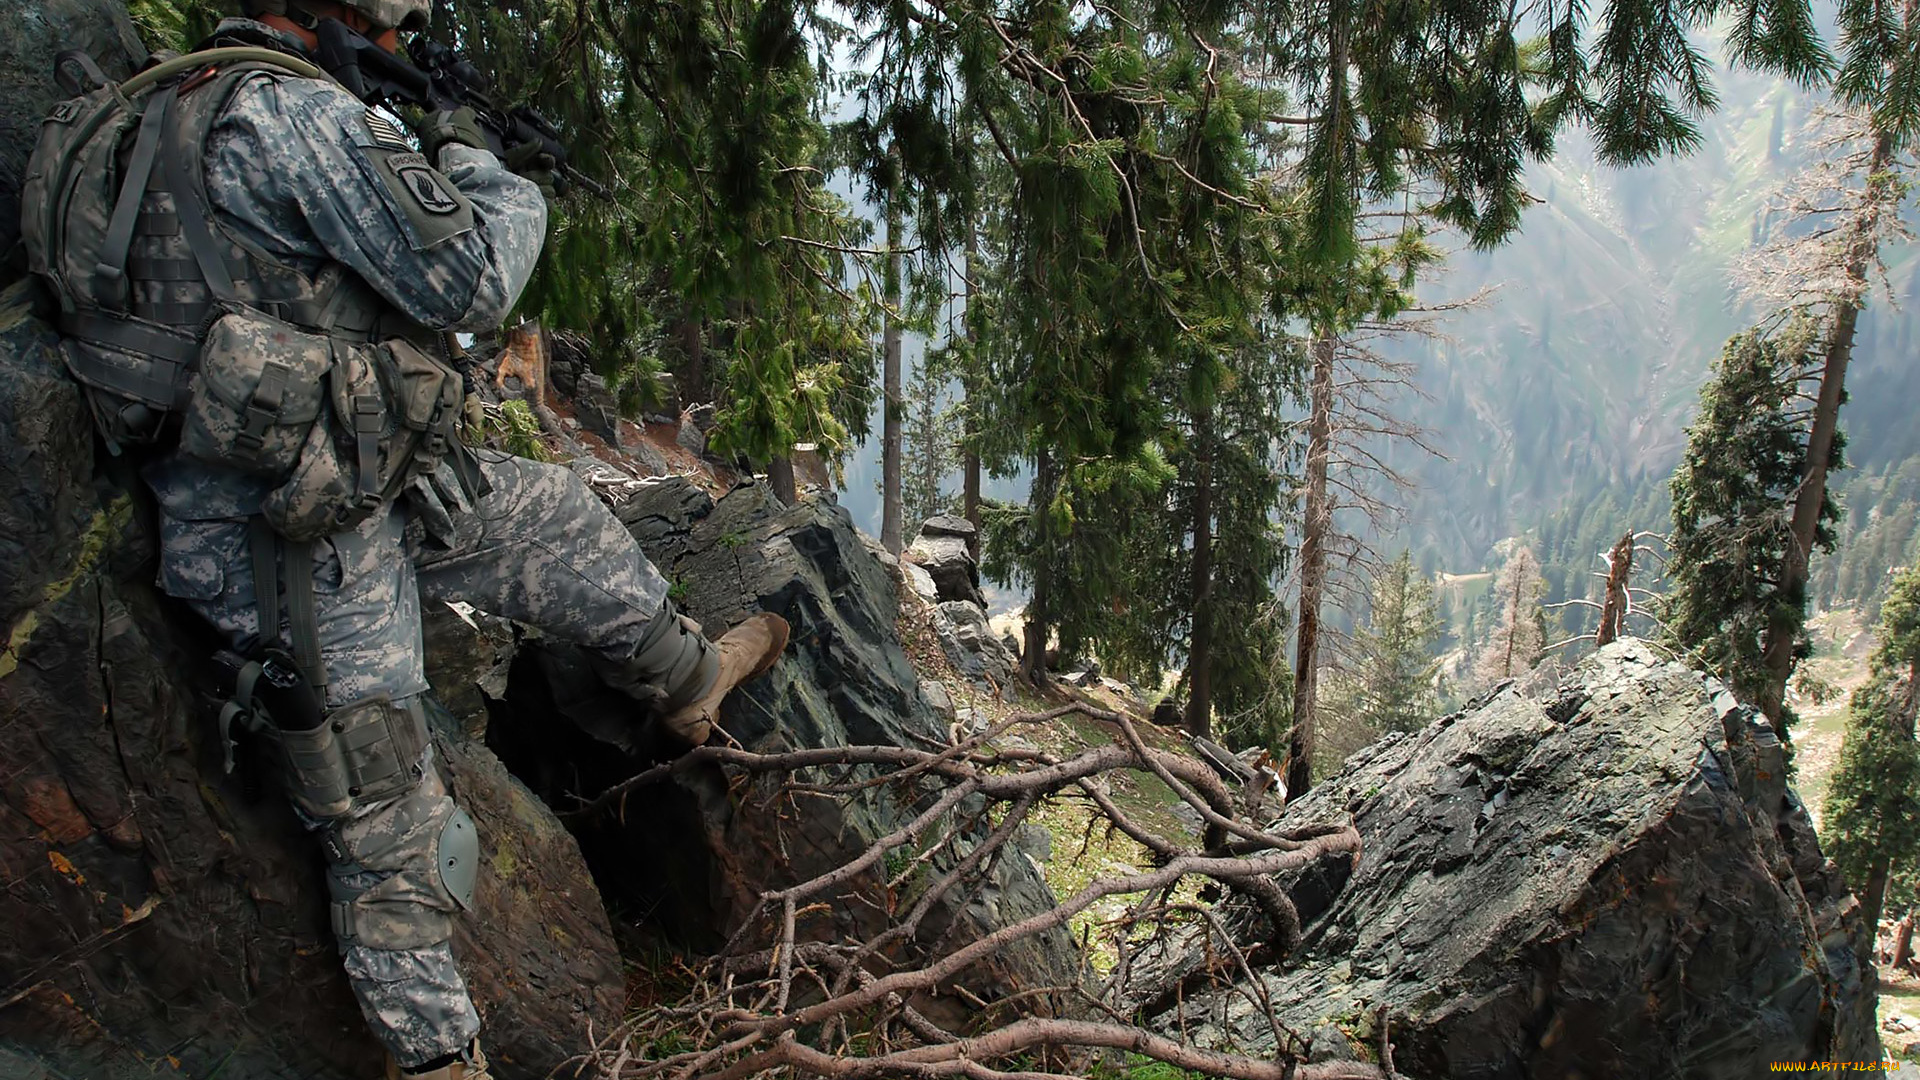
1513, 623
970, 420
1613, 606
890, 530
780, 478
1903, 943
1033, 652
1873, 896
1200, 645
1313, 571
1783, 627
693, 358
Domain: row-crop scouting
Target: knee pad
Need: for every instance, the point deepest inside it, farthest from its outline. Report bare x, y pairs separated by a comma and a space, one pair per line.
399, 873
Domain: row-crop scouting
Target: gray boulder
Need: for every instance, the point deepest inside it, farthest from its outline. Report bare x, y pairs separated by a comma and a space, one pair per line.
693, 429
598, 408
1615, 881
970, 644
948, 525
921, 583
941, 550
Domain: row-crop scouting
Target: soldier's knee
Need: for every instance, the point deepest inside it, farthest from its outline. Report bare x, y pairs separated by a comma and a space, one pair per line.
400, 872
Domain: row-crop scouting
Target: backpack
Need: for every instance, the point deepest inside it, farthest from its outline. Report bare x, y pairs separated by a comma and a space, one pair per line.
105, 177
177, 332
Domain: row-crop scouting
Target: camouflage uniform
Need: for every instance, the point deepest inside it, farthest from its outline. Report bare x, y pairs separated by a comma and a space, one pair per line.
288, 173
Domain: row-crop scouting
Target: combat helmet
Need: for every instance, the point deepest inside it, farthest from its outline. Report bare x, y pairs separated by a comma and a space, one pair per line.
404, 15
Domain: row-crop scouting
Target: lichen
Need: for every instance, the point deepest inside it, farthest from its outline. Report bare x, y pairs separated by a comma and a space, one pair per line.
100, 530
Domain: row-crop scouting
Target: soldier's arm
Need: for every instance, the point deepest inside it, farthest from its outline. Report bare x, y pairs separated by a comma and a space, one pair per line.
303, 169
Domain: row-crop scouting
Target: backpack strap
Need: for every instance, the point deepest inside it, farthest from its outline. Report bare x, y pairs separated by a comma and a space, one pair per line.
301, 615
110, 273
198, 233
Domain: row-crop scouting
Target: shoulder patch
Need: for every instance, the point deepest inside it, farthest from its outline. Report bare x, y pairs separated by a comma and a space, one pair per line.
433, 208
427, 187
386, 133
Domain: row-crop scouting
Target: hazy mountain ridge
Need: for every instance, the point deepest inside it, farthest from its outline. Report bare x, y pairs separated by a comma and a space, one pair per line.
1577, 379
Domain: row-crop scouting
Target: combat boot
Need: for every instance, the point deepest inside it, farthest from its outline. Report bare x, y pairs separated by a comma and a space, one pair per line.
746, 652
474, 1067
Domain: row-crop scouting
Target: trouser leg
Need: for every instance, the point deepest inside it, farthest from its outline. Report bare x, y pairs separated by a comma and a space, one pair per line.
381, 858
393, 909
542, 549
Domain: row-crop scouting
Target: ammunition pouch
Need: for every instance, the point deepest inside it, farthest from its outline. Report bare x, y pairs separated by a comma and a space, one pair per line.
359, 754
341, 424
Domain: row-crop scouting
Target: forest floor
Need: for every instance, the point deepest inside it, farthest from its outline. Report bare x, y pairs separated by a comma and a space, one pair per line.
1900, 1016
1839, 666
1080, 848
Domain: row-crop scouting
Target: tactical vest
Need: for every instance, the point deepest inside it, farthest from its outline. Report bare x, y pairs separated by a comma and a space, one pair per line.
178, 329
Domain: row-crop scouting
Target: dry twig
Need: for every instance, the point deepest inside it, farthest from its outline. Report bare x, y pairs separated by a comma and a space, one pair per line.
849, 1008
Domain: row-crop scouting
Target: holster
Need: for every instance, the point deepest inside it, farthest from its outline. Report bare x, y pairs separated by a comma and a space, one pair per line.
359, 753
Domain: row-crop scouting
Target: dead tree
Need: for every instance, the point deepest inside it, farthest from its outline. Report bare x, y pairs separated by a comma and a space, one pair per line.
1353, 394
1848, 208
1620, 600
1613, 610
776, 997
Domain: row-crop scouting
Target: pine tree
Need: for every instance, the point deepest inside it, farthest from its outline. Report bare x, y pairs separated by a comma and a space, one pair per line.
1513, 648
1872, 814
1393, 665
1745, 458
931, 436
1203, 562
720, 235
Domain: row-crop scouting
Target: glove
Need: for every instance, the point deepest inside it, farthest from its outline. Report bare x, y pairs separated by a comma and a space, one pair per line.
534, 163
475, 413
440, 129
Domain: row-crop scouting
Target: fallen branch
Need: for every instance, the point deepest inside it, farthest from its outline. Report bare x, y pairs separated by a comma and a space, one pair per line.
855, 1007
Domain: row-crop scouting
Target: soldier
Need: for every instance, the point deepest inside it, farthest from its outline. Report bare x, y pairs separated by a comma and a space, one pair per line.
267, 212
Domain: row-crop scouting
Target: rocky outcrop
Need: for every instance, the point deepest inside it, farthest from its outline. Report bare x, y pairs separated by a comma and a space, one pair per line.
1615, 881
940, 571
941, 550
970, 644
696, 853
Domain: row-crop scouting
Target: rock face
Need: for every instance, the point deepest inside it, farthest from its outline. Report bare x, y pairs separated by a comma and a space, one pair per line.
695, 854
941, 549
971, 645
1613, 882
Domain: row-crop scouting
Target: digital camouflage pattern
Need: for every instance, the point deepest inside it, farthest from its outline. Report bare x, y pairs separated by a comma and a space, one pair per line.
412, 996
297, 170
540, 548
294, 168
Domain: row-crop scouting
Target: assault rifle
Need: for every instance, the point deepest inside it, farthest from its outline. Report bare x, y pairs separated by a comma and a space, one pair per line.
443, 81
